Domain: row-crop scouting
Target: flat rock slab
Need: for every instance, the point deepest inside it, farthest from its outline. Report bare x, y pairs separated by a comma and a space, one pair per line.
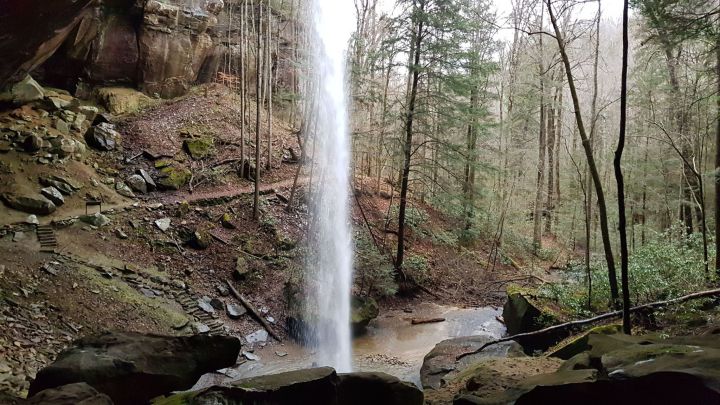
258, 336
132, 368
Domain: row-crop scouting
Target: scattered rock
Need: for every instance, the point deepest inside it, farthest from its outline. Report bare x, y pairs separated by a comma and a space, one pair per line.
280, 353
217, 304
199, 148
163, 224
226, 221
121, 100
120, 234
32, 205
26, 90
235, 311
61, 186
62, 126
200, 240
149, 182
241, 268
48, 268
52, 194
137, 183
200, 328
250, 356
223, 290
32, 220
103, 137
96, 219
133, 368
32, 143
258, 336
124, 190
56, 103
205, 305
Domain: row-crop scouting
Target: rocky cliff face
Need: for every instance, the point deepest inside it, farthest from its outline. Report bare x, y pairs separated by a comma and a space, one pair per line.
159, 46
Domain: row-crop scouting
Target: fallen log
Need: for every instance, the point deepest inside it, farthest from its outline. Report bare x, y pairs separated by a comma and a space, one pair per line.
588, 321
420, 321
255, 314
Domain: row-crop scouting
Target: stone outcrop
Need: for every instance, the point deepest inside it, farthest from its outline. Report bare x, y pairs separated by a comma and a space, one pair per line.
363, 310
71, 394
524, 311
316, 386
133, 368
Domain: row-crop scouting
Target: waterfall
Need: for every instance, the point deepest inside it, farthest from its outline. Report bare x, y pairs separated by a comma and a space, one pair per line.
329, 265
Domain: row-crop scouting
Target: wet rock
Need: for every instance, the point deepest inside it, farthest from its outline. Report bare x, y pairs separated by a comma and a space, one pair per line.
173, 178
377, 388
32, 205
363, 310
124, 190
70, 394
52, 194
441, 362
149, 182
137, 183
199, 148
96, 219
32, 143
280, 353
235, 311
133, 368
259, 336
102, 137
163, 224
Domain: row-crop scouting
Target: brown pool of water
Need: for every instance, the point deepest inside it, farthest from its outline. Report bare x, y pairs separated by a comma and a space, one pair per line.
391, 345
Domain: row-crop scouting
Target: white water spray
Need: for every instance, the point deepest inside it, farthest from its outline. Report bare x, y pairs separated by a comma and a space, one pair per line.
329, 275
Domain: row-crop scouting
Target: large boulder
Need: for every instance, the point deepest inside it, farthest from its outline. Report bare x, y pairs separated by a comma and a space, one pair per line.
133, 368
441, 363
27, 90
102, 137
377, 388
199, 148
524, 311
71, 394
173, 178
29, 204
363, 310
315, 386
121, 100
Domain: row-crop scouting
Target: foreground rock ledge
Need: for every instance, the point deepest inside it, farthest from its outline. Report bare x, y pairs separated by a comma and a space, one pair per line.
132, 368
316, 386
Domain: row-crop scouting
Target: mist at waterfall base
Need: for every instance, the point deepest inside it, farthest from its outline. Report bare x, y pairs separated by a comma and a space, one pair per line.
329, 265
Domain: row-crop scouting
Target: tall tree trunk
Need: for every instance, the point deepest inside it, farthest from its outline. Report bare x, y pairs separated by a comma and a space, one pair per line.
268, 84
617, 163
258, 105
550, 199
542, 146
717, 154
419, 6
614, 293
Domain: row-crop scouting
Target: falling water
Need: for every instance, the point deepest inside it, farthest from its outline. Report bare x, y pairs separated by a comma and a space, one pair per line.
330, 260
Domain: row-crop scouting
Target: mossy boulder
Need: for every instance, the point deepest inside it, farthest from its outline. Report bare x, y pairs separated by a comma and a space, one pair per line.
524, 311
199, 148
174, 178
163, 163
363, 310
200, 239
579, 344
121, 100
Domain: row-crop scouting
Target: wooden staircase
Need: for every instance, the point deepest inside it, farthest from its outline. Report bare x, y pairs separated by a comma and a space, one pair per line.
46, 237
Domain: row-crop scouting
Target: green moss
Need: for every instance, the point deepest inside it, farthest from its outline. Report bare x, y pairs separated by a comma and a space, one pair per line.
174, 178
162, 163
577, 344
199, 148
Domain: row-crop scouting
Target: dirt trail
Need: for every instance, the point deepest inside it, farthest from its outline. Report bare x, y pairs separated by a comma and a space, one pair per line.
230, 191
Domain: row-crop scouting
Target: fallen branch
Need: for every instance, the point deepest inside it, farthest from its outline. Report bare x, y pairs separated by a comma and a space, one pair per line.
420, 321
609, 315
219, 239
253, 311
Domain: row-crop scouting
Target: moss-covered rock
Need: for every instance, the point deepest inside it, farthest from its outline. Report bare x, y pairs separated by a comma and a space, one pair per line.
363, 310
121, 100
525, 312
163, 163
173, 178
199, 148
579, 344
